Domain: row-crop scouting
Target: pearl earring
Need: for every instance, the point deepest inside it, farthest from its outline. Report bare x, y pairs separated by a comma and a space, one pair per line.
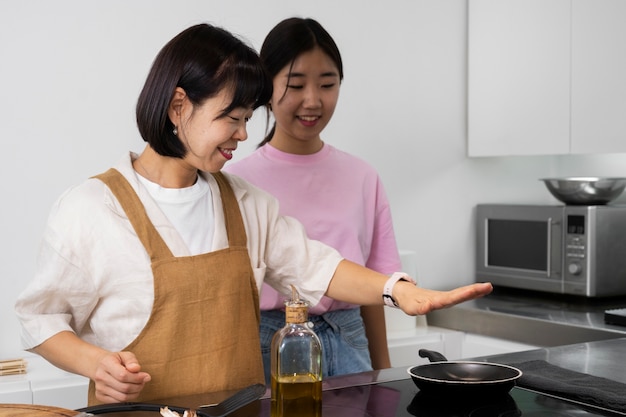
175, 131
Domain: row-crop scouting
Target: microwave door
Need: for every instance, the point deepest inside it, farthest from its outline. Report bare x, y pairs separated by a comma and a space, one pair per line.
522, 249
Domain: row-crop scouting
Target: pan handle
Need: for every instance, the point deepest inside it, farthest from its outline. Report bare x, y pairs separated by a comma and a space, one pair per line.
432, 355
131, 406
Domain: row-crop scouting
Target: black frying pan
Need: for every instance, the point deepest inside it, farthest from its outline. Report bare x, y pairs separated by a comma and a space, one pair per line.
462, 377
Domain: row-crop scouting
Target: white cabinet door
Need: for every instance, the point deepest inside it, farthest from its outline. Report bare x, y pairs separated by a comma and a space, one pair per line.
518, 77
475, 345
598, 76
15, 389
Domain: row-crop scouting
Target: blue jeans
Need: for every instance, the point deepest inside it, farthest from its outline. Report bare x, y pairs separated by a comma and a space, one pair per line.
342, 334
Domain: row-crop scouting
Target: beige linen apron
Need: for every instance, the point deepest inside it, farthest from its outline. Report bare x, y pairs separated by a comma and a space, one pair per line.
203, 331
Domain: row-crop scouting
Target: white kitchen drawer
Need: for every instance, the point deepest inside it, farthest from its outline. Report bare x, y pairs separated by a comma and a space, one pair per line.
65, 391
53, 386
44, 384
15, 389
404, 346
476, 345
403, 352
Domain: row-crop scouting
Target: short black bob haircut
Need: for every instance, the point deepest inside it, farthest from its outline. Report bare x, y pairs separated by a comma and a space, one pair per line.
202, 60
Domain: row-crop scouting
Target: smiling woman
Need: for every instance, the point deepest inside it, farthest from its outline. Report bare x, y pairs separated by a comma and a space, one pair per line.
123, 252
338, 197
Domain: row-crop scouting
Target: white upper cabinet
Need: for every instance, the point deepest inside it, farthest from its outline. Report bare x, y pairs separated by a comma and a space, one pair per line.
546, 77
519, 77
598, 76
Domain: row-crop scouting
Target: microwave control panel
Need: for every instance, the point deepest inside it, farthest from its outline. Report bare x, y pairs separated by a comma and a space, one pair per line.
575, 247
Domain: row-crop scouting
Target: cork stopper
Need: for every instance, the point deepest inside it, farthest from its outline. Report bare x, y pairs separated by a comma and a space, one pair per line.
296, 310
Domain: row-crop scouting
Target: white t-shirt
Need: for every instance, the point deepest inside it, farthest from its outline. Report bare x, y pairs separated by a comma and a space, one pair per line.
189, 209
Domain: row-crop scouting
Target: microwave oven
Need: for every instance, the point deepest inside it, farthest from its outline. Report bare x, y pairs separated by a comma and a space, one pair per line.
578, 250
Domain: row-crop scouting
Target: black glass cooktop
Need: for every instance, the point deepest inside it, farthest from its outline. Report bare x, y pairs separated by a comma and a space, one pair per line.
403, 399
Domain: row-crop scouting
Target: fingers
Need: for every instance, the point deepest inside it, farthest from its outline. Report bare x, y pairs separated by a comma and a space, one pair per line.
423, 301
472, 291
119, 378
129, 361
468, 292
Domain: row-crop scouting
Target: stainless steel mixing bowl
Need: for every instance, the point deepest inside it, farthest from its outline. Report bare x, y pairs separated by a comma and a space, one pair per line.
585, 190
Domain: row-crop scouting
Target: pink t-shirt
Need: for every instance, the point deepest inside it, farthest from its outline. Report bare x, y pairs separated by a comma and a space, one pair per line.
338, 198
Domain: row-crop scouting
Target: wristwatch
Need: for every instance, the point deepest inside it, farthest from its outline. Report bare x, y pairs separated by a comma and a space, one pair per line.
395, 277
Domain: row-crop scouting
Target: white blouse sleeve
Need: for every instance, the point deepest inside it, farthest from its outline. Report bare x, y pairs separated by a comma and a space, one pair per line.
60, 297
93, 275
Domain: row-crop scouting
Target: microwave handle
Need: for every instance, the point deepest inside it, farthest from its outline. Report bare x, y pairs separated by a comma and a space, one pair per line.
549, 265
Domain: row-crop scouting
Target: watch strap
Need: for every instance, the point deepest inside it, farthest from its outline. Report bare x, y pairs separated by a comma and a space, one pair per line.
387, 290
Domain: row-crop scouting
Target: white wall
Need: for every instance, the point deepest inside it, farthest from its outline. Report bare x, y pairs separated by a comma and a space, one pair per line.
70, 72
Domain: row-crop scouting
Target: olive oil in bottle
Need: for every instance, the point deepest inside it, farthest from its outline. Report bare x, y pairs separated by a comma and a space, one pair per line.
296, 364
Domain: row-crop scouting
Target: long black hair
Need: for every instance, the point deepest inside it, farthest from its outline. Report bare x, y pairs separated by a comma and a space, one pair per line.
287, 40
202, 60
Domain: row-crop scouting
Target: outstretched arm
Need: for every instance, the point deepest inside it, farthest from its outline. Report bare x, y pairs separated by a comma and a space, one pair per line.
356, 284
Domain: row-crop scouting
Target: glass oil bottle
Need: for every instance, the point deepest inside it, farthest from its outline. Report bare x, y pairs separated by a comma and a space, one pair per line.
296, 365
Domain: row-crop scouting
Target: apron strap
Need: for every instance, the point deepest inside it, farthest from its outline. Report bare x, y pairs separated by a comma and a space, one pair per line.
232, 215
136, 212
147, 233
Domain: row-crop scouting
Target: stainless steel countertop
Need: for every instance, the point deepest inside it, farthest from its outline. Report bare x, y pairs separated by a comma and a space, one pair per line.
534, 318
603, 358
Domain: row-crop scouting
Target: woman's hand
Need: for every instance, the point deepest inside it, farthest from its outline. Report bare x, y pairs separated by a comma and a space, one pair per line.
415, 300
117, 375
118, 378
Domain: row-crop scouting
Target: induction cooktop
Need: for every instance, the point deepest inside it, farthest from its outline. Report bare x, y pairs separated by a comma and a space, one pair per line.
403, 399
